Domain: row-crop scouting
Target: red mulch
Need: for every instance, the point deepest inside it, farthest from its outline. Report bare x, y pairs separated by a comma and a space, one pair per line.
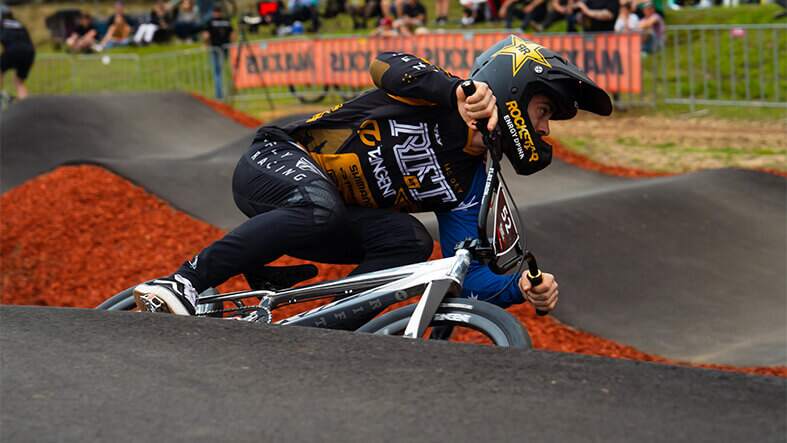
79, 234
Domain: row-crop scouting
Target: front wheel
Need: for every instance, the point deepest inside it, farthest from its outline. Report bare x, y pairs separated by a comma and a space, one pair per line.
453, 315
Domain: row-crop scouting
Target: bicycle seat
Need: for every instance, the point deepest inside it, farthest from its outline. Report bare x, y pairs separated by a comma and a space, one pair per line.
274, 278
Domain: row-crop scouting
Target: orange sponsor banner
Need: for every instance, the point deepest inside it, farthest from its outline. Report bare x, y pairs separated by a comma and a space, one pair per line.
612, 60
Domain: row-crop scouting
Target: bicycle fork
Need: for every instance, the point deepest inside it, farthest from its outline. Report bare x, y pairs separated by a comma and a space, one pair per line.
435, 292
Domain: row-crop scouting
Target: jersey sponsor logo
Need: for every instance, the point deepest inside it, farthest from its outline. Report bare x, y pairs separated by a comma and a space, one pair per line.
412, 182
380, 172
465, 205
519, 132
320, 115
416, 158
345, 170
369, 133
273, 164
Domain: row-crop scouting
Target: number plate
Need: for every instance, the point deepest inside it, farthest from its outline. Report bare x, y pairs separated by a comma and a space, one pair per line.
506, 235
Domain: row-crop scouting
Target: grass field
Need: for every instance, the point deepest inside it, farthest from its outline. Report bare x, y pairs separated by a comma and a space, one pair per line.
718, 73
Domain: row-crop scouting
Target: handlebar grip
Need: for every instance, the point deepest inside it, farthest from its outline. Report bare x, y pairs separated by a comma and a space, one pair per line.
534, 275
468, 87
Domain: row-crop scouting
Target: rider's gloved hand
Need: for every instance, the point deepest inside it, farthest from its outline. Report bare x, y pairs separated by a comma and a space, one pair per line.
482, 104
544, 296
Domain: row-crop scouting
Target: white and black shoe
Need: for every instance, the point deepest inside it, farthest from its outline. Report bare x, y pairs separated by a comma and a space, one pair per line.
174, 295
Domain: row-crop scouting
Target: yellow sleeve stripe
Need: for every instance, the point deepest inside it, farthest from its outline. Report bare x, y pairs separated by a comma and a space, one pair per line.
377, 70
412, 101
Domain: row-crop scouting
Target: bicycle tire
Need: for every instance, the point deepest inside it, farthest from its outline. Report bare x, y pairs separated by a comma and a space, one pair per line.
502, 328
124, 301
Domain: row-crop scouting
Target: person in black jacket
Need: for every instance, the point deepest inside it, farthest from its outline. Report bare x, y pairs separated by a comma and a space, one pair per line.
218, 34
338, 187
18, 51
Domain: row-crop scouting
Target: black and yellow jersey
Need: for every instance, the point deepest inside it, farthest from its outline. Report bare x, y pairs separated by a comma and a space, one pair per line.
402, 145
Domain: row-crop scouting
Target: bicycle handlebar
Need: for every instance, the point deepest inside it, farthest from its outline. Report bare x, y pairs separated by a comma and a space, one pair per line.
491, 140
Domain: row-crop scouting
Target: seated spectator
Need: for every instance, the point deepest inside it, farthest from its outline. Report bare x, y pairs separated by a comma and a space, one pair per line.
83, 39
627, 20
391, 8
298, 11
413, 19
360, 11
269, 12
441, 12
305, 11
385, 28
557, 10
188, 23
473, 11
595, 15
653, 27
529, 11
118, 29
158, 22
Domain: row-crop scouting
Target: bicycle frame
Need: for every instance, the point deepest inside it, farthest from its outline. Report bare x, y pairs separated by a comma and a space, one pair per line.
434, 279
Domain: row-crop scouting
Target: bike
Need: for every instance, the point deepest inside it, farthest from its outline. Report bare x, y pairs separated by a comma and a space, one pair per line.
359, 300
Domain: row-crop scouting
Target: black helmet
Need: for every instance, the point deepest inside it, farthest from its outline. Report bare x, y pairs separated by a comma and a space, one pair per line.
517, 69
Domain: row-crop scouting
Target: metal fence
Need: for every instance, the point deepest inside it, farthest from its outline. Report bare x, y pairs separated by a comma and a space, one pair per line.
724, 65
732, 65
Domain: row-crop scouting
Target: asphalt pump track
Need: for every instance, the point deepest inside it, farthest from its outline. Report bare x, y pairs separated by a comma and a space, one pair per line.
85, 375
689, 267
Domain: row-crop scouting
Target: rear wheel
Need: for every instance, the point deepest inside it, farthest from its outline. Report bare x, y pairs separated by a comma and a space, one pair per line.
454, 315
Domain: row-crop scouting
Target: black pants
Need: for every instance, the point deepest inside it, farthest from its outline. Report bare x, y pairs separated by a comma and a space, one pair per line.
294, 209
19, 58
517, 11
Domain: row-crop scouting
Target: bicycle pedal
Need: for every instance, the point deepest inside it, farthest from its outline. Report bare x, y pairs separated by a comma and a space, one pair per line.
151, 303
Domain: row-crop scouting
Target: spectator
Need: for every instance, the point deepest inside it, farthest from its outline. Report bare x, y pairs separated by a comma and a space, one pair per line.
118, 29
83, 39
473, 11
120, 11
653, 27
413, 18
596, 15
360, 12
441, 12
18, 51
385, 28
528, 11
558, 10
298, 11
627, 20
218, 34
157, 25
187, 20
391, 8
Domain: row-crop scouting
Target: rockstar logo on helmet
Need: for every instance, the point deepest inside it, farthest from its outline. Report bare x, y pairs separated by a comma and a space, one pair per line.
522, 50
